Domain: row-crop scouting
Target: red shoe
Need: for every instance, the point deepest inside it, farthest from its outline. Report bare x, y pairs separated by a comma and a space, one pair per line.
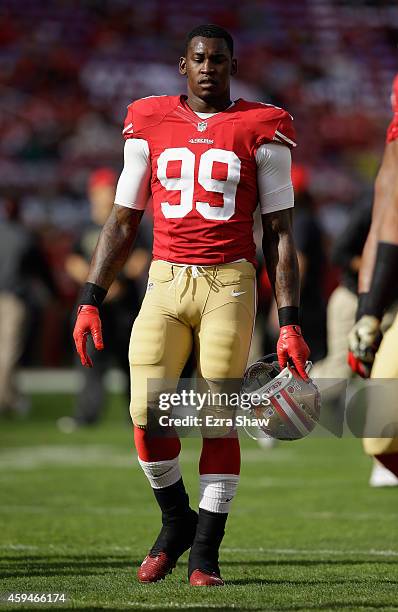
156, 568
199, 578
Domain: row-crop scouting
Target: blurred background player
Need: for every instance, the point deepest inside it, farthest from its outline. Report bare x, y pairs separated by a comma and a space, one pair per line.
120, 307
371, 353
21, 263
342, 305
310, 243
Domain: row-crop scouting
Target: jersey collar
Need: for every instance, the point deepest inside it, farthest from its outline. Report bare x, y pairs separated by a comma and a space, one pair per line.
187, 113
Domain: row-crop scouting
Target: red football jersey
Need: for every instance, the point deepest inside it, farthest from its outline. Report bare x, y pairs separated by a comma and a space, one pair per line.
204, 182
392, 131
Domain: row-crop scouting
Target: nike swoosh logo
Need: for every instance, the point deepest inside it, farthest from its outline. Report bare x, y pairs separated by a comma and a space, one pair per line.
237, 293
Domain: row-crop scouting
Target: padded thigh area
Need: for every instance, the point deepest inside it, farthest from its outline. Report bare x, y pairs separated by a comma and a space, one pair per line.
159, 348
148, 340
223, 341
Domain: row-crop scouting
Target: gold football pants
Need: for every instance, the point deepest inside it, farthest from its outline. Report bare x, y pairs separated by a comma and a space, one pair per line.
385, 366
209, 308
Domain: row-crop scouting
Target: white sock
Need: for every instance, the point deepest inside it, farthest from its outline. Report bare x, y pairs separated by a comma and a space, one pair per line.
217, 491
161, 473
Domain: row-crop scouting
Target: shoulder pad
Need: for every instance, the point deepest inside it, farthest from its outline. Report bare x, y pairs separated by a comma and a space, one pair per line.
270, 123
147, 112
394, 95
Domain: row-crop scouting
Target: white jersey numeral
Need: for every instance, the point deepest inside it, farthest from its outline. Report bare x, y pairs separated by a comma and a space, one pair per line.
227, 188
185, 182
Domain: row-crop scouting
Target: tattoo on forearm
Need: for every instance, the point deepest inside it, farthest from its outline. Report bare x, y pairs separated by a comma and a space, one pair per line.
281, 259
114, 245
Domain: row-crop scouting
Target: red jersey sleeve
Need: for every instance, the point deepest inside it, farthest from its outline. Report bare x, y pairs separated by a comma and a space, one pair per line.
285, 132
146, 113
128, 127
271, 124
392, 130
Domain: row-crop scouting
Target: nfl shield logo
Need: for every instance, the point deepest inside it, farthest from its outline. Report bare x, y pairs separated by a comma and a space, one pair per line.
202, 125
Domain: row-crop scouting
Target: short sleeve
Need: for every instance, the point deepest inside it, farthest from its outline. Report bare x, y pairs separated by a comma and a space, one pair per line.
269, 123
128, 127
285, 132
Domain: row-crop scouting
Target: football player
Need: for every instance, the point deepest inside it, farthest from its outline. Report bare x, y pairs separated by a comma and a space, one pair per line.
371, 354
206, 161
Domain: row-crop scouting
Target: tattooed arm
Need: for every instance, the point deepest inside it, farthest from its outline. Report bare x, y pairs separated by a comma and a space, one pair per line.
114, 245
283, 272
281, 257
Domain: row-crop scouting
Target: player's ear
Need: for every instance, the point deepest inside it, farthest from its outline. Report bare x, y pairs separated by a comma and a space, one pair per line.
182, 66
234, 66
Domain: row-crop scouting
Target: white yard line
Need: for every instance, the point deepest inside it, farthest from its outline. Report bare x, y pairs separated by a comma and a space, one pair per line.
54, 456
351, 516
313, 551
171, 605
227, 550
36, 457
17, 547
63, 380
69, 506
71, 509
253, 482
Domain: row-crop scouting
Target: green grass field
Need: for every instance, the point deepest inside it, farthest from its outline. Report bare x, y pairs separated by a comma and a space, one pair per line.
77, 516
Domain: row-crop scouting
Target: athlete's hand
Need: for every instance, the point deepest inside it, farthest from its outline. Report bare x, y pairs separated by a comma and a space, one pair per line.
293, 349
87, 322
363, 341
356, 365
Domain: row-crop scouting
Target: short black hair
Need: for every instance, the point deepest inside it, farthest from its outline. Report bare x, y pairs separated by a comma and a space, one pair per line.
210, 30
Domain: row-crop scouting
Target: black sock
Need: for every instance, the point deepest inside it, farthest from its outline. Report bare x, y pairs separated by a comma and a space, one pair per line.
209, 534
173, 501
178, 520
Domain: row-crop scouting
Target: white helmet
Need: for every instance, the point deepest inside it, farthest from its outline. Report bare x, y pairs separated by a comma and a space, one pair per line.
286, 407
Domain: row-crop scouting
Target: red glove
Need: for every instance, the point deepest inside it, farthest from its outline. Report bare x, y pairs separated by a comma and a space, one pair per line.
87, 322
363, 342
357, 366
292, 348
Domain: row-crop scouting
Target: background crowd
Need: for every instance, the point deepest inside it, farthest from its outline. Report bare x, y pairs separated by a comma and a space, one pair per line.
67, 71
